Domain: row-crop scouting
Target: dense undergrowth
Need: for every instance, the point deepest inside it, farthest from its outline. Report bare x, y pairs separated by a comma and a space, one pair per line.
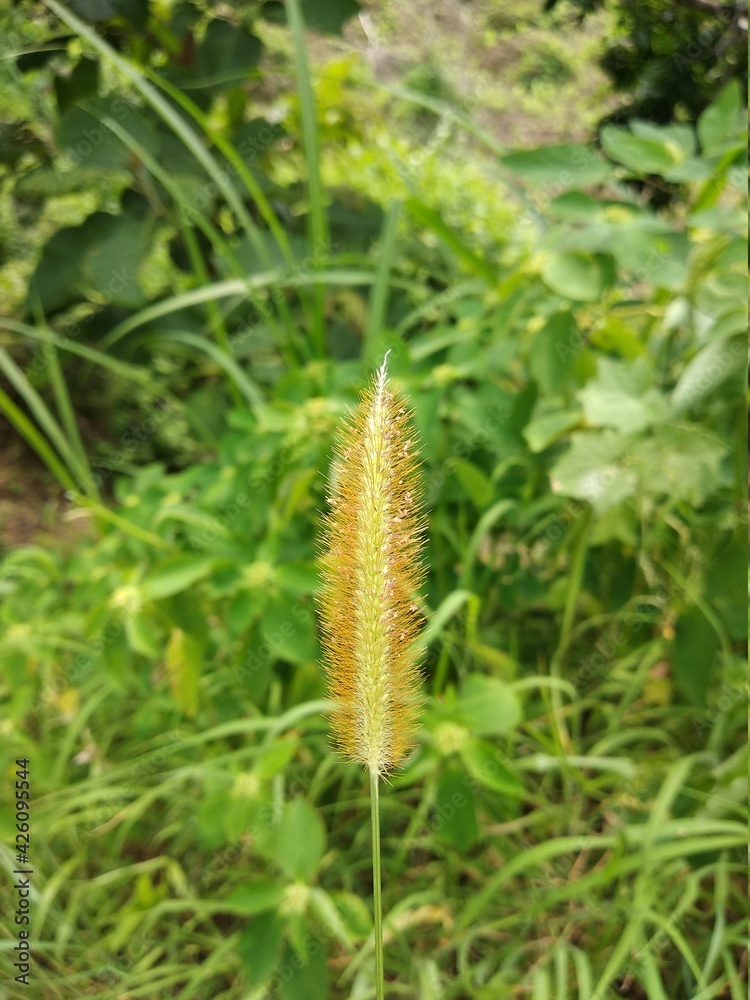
573, 823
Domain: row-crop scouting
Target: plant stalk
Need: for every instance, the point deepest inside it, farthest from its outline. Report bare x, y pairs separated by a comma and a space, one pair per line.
376, 886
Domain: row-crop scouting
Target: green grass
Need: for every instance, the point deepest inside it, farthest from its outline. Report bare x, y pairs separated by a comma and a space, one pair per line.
572, 824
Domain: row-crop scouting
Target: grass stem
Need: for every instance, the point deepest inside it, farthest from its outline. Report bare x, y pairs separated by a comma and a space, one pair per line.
376, 884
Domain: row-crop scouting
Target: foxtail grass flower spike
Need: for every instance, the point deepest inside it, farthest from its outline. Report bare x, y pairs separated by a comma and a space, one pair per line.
371, 569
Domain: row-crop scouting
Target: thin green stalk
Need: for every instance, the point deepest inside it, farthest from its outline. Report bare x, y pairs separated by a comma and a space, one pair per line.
62, 399
379, 291
318, 229
376, 884
28, 431
46, 421
213, 312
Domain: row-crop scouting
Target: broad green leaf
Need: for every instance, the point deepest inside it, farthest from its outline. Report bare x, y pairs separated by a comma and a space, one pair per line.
288, 630
304, 979
243, 607
227, 52
354, 914
564, 166
642, 156
144, 635
475, 483
175, 575
692, 657
681, 461
455, 816
575, 206
211, 820
321, 15
301, 840
594, 469
329, 916
256, 897
690, 171
726, 585
183, 664
544, 431
258, 947
84, 135
297, 578
720, 126
711, 366
622, 396
486, 706
82, 83
484, 763
679, 139
581, 277
114, 258
275, 757
554, 352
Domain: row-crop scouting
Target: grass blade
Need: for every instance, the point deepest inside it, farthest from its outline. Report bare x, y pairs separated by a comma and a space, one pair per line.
319, 239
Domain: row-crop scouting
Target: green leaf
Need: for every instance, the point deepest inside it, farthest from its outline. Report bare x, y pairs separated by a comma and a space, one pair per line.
304, 979
328, 916
567, 165
581, 277
227, 52
704, 373
301, 840
484, 763
455, 818
476, 484
211, 820
622, 396
594, 469
183, 665
256, 897
258, 947
681, 461
354, 914
287, 628
175, 575
554, 352
82, 83
487, 706
144, 636
328, 16
275, 758
297, 578
679, 139
642, 156
693, 652
242, 609
575, 206
544, 431
726, 585
83, 134
720, 126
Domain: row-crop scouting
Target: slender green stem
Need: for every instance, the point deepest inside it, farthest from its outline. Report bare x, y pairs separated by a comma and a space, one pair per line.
376, 887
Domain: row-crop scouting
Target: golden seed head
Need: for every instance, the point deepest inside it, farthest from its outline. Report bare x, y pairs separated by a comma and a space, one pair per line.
370, 569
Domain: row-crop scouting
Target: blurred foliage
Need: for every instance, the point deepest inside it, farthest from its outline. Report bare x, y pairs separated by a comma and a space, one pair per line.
572, 822
672, 56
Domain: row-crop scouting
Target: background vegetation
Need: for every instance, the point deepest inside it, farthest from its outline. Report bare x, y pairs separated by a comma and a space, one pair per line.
214, 225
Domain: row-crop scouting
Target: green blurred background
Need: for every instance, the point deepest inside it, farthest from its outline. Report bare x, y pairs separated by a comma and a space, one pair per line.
214, 221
